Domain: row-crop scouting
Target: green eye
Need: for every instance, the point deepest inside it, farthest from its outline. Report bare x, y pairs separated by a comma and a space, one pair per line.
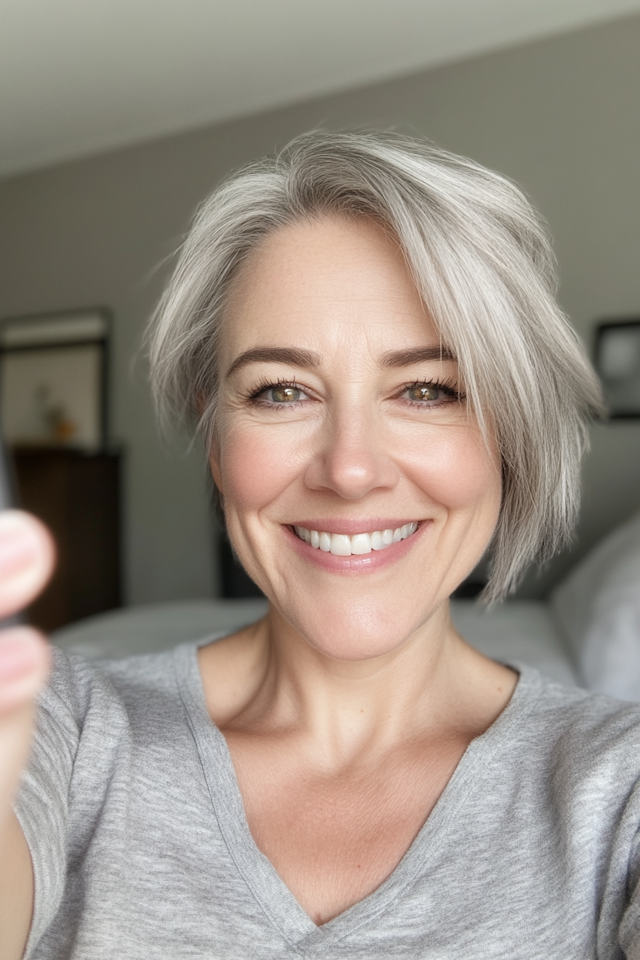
285, 394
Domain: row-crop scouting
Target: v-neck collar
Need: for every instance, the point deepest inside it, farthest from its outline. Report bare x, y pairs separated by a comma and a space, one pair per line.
274, 897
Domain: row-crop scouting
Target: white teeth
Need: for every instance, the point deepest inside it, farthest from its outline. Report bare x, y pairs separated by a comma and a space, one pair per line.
342, 545
361, 543
377, 541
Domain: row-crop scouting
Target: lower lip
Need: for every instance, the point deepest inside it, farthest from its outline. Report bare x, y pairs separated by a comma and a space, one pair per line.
356, 563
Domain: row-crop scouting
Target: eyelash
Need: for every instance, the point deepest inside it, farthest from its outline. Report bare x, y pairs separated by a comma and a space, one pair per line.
254, 395
448, 387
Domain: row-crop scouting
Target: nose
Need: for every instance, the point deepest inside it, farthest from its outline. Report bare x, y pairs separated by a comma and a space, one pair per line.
353, 458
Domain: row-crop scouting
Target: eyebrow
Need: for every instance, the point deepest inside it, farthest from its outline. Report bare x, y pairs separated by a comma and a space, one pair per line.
404, 358
307, 358
301, 358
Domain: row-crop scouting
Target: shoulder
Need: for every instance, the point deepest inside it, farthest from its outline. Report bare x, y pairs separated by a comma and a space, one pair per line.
575, 712
580, 736
106, 722
112, 751
105, 694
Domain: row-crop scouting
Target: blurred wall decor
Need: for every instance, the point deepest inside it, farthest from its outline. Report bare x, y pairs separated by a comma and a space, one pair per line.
617, 360
53, 381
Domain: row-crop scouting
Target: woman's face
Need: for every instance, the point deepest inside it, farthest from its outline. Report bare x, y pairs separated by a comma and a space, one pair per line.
339, 416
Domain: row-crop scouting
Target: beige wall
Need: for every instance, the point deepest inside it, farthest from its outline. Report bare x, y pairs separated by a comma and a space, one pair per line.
560, 116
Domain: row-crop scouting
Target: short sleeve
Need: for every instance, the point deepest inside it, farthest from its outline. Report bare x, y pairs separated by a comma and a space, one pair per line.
42, 803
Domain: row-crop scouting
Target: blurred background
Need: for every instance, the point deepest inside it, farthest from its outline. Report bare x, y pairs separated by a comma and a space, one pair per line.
118, 117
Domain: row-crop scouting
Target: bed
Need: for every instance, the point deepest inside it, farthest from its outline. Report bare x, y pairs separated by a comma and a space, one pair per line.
587, 633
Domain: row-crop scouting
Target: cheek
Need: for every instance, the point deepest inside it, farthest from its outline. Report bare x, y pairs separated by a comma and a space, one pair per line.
252, 468
458, 471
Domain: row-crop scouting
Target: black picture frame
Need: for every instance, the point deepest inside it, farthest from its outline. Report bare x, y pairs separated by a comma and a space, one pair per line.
617, 362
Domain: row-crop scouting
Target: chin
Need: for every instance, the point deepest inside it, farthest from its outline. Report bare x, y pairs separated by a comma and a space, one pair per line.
356, 629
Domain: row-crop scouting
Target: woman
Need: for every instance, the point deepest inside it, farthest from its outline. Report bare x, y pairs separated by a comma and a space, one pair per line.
365, 332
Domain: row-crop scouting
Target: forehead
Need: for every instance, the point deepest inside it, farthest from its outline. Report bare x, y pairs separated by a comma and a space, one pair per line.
319, 277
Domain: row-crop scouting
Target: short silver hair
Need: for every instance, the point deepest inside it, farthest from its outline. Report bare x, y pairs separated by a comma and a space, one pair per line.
482, 261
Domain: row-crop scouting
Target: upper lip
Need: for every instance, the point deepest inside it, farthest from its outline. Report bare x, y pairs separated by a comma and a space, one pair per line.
353, 526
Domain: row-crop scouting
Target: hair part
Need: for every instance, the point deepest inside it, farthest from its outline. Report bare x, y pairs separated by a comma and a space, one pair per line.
482, 262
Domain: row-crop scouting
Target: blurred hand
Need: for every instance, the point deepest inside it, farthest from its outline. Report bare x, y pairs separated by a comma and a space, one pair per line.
26, 560
27, 557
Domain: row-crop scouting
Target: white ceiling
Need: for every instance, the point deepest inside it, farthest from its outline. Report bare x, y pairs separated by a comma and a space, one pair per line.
81, 76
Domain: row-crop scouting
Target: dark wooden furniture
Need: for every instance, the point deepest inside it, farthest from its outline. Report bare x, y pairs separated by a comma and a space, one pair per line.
77, 495
236, 582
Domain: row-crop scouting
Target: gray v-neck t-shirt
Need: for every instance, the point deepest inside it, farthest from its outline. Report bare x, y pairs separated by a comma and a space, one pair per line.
141, 849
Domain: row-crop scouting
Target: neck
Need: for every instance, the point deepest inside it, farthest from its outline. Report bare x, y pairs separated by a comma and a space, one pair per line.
269, 679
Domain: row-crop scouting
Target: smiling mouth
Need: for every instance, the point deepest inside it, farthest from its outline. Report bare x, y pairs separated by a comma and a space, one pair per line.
343, 545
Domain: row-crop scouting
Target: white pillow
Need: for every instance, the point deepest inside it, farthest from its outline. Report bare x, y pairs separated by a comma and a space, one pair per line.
597, 609
156, 626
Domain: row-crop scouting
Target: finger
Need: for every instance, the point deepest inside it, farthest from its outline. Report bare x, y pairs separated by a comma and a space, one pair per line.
24, 665
27, 557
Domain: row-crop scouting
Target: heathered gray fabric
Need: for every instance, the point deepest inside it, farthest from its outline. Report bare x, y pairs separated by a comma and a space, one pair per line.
141, 849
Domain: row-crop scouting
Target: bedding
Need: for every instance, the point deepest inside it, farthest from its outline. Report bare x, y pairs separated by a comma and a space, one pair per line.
596, 610
155, 627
